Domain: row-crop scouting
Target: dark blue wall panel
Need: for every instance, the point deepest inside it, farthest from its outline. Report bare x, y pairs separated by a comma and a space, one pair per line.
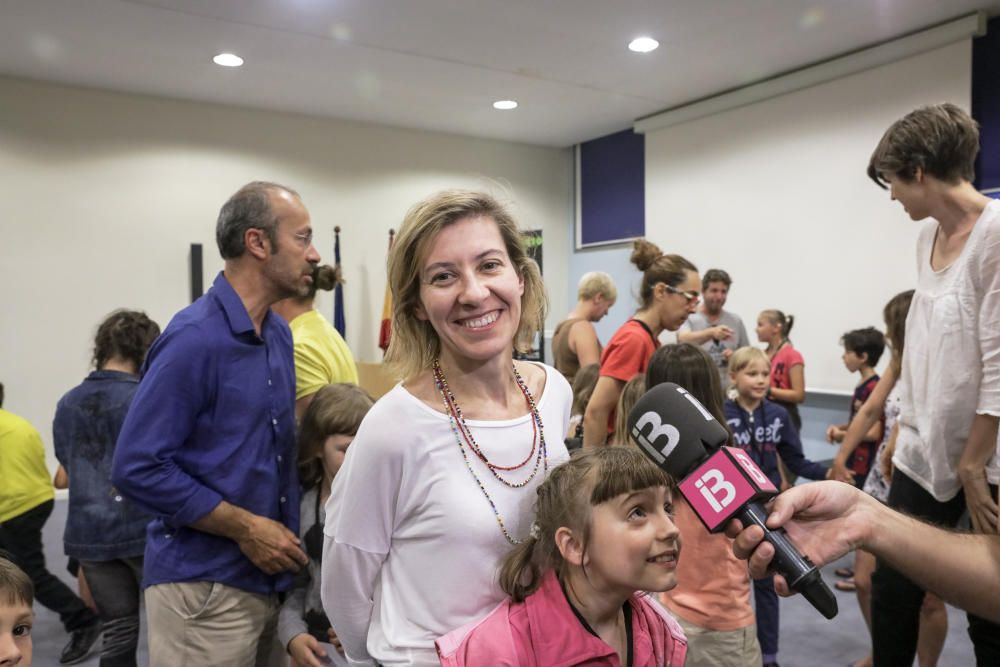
986, 104
612, 188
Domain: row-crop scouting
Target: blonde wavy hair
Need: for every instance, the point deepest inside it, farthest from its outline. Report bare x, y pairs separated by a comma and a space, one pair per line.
414, 344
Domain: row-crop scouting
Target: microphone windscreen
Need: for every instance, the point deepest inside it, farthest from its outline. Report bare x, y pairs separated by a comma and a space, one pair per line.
673, 429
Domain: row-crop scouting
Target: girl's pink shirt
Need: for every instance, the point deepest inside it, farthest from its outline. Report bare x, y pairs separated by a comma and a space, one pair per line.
543, 631
781, 366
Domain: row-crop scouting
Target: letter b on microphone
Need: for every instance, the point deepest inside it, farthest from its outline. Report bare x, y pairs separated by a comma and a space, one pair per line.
723, 484
712, 485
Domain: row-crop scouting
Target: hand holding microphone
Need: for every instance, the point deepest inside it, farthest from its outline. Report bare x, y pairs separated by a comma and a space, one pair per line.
828, 519
720, 483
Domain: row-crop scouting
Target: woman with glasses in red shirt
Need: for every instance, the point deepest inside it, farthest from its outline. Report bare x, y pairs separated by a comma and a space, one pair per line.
669, 292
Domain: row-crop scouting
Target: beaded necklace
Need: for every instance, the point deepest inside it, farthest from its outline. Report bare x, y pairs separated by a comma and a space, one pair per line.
462, 432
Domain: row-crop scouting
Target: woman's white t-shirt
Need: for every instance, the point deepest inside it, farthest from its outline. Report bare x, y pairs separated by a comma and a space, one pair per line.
951, 365
412, 545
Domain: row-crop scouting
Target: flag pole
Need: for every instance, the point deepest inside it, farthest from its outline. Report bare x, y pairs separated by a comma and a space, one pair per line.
339, 321
385, 328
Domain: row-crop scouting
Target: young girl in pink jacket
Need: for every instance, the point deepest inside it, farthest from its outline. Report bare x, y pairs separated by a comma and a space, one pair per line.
603, 537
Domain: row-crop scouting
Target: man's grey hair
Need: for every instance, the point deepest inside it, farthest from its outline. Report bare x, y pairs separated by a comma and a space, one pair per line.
249, 208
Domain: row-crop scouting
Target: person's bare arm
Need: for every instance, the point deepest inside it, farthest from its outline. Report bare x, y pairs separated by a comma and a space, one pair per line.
797, 393
719, 332
268, 544
980, 447
599, 408
583, 341
826, 520
61, 480
874, 434
865, 421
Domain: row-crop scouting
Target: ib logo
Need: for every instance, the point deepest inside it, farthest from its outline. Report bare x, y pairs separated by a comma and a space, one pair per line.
716, 490
657, 429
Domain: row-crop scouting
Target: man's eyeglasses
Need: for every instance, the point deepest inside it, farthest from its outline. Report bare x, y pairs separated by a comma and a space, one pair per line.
692, 297
305, 238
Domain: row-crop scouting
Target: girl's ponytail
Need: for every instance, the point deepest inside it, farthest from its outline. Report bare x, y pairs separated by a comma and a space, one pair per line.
520, 570
775, 316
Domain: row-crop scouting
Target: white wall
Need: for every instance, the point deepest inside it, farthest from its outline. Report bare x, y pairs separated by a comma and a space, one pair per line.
776, 193
103, 193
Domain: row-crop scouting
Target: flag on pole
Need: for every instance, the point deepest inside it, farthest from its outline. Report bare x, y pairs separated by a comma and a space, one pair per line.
385, 330
338, 292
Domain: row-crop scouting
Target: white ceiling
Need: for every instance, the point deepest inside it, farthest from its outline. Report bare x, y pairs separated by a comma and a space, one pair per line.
440, 64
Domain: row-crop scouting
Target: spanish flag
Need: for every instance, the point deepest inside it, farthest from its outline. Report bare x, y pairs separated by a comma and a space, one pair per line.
385, 330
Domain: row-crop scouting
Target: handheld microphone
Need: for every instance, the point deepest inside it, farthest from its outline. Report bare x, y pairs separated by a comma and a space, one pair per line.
719, 483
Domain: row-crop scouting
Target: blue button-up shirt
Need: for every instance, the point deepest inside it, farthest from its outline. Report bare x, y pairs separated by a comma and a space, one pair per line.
101, 524
213, 420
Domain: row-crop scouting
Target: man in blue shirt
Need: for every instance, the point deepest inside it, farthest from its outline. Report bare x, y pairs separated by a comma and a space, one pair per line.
209, 444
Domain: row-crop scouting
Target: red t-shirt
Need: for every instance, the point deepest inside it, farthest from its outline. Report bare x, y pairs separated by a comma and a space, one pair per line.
628, 352
781, 366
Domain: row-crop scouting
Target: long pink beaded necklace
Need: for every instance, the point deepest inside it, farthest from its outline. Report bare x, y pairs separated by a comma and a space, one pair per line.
462, 432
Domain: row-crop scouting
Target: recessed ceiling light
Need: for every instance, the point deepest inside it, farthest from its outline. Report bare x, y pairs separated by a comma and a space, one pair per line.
643, 44
505, 105
228, 60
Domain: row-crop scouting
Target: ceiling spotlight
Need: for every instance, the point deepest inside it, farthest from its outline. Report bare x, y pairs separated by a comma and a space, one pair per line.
643, 44
228, 60
505, 105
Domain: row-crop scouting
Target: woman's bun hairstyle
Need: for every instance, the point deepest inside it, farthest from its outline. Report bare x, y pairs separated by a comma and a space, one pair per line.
327, 277
644, 253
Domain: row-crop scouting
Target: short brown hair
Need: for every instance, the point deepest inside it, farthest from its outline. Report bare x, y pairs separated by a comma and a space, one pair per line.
248, 208
716, 276
657, 268
15, 585
414, 343
941, 140
126, 334
336, 409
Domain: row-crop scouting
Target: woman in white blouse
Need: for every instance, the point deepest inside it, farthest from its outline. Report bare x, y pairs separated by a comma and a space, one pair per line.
440, 479
945, 458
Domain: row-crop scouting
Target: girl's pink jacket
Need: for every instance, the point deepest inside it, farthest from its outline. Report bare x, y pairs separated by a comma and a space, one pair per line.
542, 631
